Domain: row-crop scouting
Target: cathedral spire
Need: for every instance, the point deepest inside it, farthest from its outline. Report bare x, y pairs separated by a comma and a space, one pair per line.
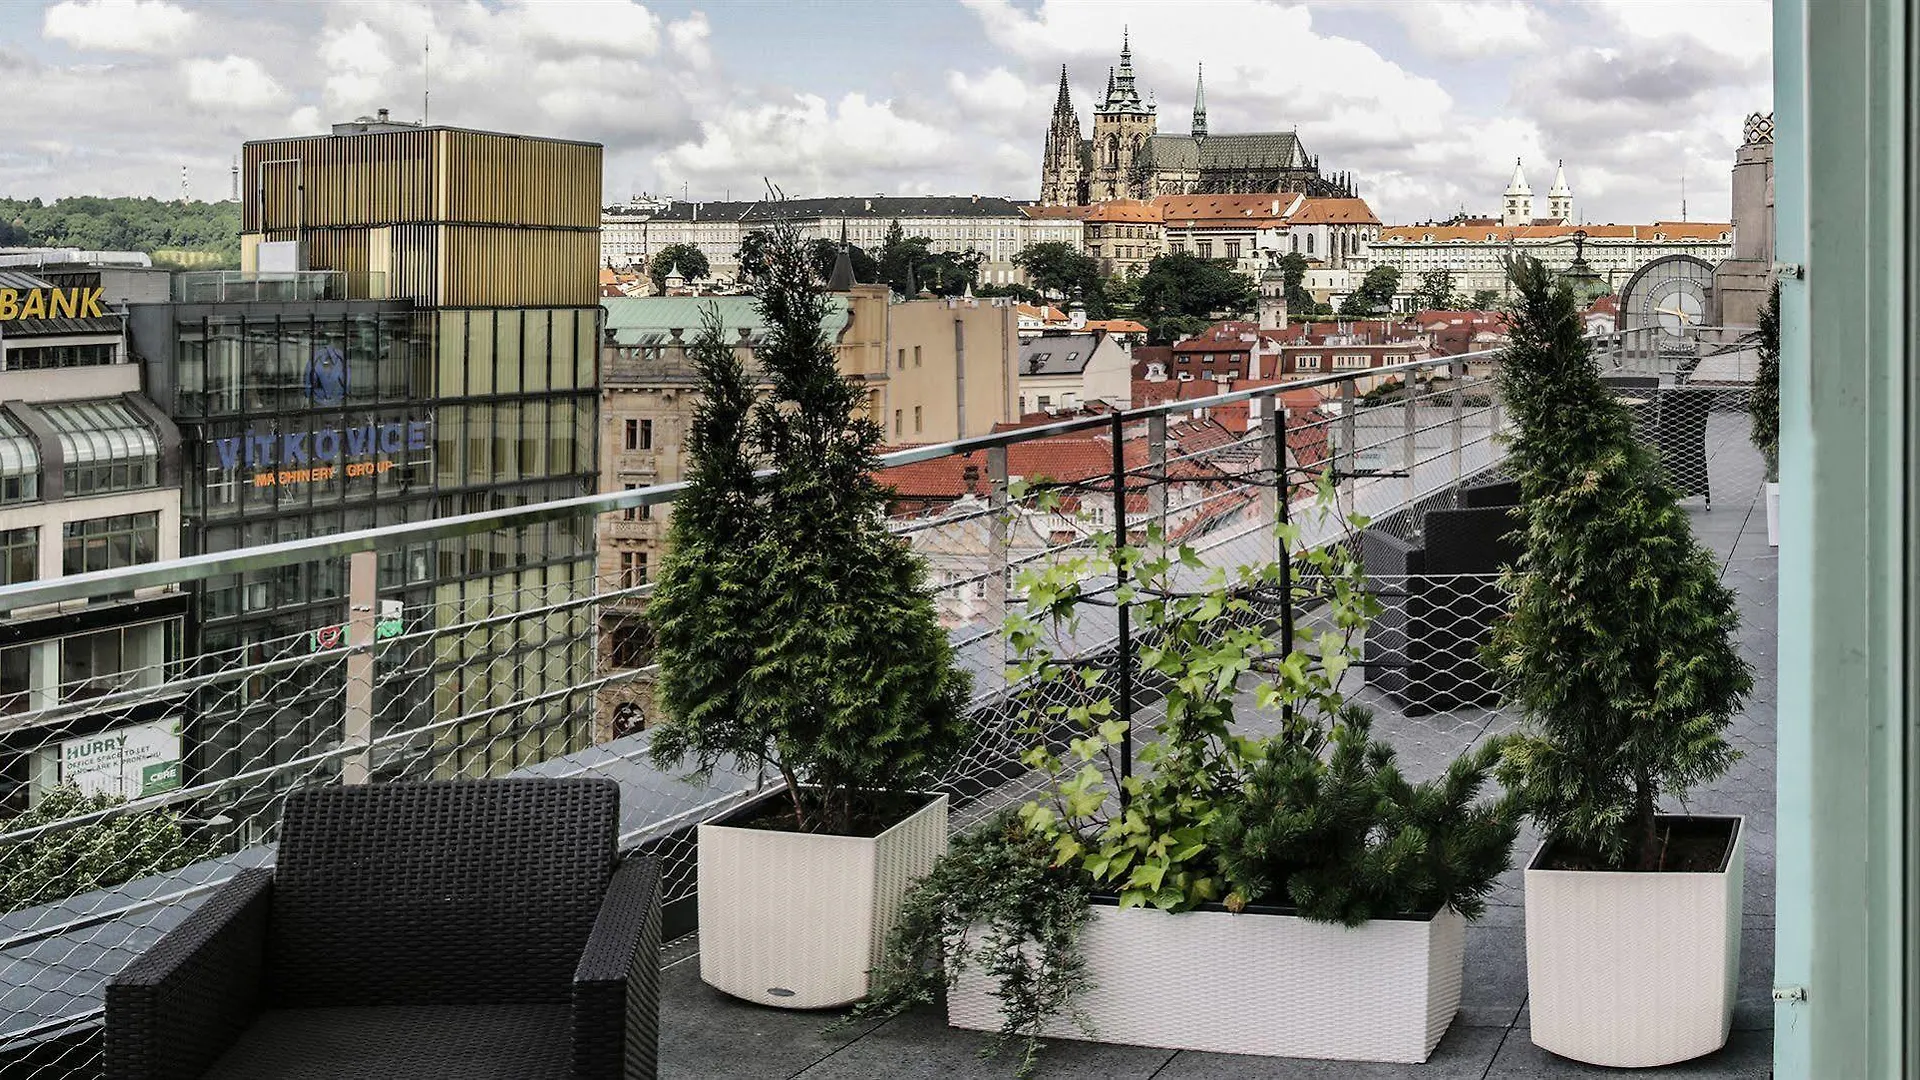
1124, 97
1108, 104
1064, 102
1200, 103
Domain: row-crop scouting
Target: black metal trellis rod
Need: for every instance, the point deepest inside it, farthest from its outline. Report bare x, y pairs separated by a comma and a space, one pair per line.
1124, 643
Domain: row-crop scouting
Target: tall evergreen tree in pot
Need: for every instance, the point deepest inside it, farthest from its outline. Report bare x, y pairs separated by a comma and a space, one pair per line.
795, 631
1620, 646
1764, 405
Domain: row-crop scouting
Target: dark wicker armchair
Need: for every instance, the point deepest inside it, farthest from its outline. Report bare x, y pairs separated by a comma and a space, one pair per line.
472, 929
1439, 601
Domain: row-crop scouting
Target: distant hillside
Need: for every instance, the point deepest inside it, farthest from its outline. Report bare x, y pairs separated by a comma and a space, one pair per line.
198, 234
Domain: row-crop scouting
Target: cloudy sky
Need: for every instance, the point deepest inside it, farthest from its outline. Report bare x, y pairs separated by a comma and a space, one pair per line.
1426, 103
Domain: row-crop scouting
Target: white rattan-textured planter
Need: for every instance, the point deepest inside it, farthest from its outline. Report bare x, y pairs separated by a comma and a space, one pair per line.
1276, 985
1634, 969
798, 919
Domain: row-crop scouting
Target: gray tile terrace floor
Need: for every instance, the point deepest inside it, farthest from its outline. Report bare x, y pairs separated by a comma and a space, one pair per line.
706, 1034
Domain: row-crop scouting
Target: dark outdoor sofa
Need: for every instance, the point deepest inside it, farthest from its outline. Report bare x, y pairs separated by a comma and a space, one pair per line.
474, 929
1439, 600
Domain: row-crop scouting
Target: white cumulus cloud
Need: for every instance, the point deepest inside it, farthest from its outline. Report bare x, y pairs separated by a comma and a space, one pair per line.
139, 26
231, 82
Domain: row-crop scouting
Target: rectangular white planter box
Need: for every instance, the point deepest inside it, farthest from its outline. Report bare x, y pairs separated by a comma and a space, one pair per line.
1773, 513
1276, 985
797, 920
1632, 969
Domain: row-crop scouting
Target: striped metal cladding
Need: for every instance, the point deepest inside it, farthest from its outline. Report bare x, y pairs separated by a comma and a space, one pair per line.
423, 175
459, 265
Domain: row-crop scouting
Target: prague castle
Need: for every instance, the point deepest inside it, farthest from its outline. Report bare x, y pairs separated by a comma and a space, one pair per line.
1127, 157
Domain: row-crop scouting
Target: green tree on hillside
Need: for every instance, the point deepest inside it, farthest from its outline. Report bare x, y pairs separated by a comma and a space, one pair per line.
1375, 294
1184, 294
93, 223
1435, 291
689, 260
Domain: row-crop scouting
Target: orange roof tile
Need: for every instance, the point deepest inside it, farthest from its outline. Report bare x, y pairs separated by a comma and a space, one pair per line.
1258, 210
1333, 212
1668, 230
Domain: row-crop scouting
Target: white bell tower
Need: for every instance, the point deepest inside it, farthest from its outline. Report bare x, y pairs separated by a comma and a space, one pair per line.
1518, 209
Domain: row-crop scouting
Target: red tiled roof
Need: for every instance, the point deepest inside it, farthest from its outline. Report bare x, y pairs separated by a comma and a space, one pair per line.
1668, 230
1064, 458
1333, 212
1260, 211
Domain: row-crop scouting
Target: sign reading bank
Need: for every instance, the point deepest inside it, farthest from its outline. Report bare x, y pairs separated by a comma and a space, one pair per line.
51, 304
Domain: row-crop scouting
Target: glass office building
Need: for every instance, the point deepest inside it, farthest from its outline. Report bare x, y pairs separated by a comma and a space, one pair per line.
376, 362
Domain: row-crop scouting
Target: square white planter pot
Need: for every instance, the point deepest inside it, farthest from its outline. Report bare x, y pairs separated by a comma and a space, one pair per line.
797, 920
1773, 513
1634, 969
1276, 985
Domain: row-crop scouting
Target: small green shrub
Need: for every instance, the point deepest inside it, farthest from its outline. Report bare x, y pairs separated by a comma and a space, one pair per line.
1343, 837
59, 863
998, 903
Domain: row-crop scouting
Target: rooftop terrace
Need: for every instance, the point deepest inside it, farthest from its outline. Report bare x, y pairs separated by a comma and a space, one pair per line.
482, 677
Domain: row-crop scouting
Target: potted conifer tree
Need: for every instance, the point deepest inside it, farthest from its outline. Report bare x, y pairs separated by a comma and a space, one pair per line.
1619, 651
1764, 406
798, 637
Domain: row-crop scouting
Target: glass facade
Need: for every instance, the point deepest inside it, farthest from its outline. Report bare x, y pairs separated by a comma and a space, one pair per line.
49, 357
19, 555
109, 543
304, 420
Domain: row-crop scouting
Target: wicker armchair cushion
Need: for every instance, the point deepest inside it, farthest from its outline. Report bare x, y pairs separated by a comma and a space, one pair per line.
451, 893
458, 1042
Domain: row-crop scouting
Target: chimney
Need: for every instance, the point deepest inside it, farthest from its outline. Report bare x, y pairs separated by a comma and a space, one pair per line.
382, 114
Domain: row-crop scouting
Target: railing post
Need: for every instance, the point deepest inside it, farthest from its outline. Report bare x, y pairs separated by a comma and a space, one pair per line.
1123, 641
1457, 373
1349, 459
357, 720
1273, 462
1157, 465
998, 555
1408, 457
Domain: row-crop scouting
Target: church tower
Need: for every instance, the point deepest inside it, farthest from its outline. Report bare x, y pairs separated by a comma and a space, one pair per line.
1062, 172
1199, 130
1518, 208
1560, 198
1121, 126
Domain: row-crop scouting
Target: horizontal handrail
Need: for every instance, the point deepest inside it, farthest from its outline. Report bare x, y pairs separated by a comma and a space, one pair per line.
33, 594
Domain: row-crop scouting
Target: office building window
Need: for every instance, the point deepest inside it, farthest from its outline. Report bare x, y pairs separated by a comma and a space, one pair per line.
111, 661
916, 356
632, 513
629, 645
897, 428
1203, 248
1306, 363
633, 569
110, 542
639, 434
903, 359
48, 357
916, 420
19, 555
1233, 249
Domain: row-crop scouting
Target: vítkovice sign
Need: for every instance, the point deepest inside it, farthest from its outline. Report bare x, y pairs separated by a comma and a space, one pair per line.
298, 457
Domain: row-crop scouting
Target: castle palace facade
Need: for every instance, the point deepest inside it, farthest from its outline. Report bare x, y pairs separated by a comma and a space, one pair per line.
1127, 157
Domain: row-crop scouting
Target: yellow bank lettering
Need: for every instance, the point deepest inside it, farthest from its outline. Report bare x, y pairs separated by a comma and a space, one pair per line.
52, 304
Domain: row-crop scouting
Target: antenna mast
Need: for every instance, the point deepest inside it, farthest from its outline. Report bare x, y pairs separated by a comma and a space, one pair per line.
1683, 194
426, 82
186, 193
